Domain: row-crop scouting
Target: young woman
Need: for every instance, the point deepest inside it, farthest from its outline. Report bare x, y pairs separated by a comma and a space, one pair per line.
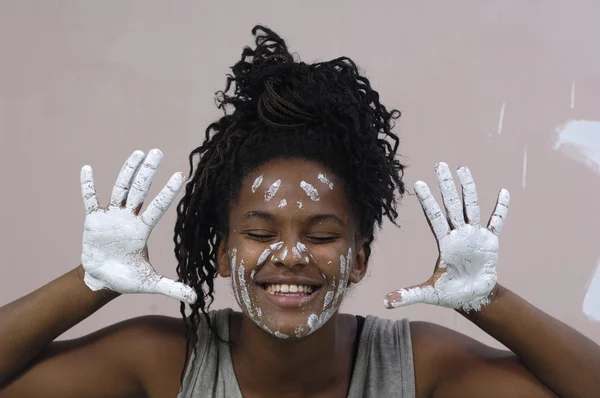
284, 198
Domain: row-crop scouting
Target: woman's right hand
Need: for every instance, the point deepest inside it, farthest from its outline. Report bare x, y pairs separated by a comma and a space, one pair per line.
114, 254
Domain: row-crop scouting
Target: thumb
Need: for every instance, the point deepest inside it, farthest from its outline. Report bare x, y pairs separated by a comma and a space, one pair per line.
424, 293
173, 289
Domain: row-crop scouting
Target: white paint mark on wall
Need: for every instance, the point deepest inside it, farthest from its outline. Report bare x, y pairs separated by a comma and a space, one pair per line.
591, 302
573, 95
580, 141
525, 167
501, 118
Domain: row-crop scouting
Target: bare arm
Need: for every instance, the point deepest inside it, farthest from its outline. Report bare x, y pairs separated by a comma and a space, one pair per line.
558, 355
114, 261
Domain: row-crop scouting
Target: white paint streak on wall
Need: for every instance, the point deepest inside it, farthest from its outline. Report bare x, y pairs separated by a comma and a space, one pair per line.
525, 167
580, 141
591, 302
573, 95
501, 118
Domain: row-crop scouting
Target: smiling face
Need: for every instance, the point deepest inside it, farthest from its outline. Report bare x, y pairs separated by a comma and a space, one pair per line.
292, 248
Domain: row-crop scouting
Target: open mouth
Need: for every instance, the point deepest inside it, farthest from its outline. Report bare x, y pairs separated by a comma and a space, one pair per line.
290, 290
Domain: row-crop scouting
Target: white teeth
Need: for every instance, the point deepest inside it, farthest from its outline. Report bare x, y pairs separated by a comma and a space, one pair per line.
285, 288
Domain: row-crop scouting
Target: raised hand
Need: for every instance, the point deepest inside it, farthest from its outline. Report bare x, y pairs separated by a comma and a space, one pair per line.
114, 254
465, 273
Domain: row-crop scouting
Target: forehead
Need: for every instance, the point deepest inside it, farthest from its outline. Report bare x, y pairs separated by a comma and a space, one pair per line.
294, 185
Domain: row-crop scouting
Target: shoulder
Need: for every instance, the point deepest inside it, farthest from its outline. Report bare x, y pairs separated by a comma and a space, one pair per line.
442, 354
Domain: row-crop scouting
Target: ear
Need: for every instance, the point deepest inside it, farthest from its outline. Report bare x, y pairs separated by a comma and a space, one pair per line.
359, 268
222, 257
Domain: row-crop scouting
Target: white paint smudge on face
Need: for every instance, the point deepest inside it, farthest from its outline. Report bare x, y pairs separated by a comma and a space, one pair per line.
282, 203
302, 247
296, 253
252, 274
591, 302
323, 178
259, 312
328, 299
311, 191
272, 190
244, 288
525, 168
284, 254
280, 335
501, 118
580, 141
573, 95
263, 257
233, 275
299, 204
257, 183
277, 246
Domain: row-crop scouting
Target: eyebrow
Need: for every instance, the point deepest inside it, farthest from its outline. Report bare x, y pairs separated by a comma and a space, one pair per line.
312, 219
326, 217
258, 214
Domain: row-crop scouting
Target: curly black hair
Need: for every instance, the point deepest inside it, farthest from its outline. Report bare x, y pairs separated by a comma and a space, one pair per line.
275, 106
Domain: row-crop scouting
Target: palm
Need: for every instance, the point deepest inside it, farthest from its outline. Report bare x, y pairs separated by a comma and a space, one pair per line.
114, 254
465, 273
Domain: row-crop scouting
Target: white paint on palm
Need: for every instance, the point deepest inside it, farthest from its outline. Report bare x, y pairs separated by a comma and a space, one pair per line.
466, 274
114, 247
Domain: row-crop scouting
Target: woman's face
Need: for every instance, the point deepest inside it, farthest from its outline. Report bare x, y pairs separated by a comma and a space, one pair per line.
292, 249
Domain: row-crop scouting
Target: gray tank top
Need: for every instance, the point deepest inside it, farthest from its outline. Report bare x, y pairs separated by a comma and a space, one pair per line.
383, 367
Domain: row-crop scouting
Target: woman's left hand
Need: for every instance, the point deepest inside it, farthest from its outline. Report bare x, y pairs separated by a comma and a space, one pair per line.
465, 273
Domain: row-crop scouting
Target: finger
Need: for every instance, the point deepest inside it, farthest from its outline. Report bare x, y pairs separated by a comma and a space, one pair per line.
88, 189
143, 180
449, 195
123, 183
423, 294
433, 213
500, 212
163, 200
173, 289
469, 192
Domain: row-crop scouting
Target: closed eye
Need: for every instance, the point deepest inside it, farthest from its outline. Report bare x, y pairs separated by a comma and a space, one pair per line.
261, 236
322, 239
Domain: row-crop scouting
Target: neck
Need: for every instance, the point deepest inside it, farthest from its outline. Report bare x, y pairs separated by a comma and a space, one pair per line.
301, 367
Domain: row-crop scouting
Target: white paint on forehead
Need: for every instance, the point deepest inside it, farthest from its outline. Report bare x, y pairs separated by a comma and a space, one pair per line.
323, 178
283, 203
272, 190
311, 191
257, 183
299, 204
580, 141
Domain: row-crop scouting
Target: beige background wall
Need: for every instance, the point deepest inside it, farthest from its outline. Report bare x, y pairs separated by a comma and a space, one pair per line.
90, 81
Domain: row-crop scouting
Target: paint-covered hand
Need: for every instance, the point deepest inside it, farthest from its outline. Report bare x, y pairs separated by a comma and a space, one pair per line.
465, 273
114, 252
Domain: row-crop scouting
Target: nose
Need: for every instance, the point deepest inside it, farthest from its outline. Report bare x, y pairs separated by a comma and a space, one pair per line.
291, 255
